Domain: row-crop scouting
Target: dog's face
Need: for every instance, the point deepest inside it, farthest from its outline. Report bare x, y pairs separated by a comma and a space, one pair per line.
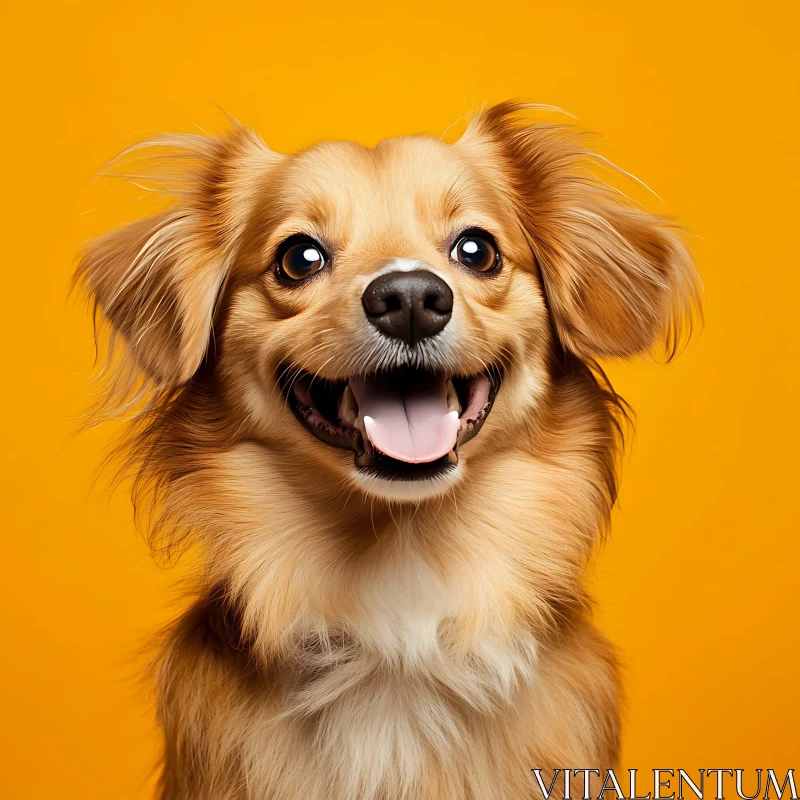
391, 291
388, 316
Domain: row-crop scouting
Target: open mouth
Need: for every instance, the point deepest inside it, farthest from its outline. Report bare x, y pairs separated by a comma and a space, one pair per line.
404, 424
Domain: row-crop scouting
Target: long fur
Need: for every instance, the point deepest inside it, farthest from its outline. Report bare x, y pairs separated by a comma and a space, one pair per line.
346, 643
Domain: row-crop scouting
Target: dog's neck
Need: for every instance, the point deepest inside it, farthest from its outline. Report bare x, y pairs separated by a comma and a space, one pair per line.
407, 616
407, 585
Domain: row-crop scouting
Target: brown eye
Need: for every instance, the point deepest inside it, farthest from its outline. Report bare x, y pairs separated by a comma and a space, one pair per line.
476, 251
299, 258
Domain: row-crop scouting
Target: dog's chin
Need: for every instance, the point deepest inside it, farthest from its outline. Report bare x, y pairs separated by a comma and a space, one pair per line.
392, 490
404, 427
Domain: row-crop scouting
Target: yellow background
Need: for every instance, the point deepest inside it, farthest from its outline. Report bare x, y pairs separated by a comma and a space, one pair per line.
698, 585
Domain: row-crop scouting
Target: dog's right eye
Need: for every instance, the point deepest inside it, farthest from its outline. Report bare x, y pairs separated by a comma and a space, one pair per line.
299, 257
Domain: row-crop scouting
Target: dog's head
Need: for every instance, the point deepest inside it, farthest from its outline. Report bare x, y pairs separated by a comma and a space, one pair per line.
386, 316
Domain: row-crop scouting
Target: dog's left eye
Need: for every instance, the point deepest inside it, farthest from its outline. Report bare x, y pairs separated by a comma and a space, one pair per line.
476, 251
300, 257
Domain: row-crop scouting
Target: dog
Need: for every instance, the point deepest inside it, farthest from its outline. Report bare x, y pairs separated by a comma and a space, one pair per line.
366, 387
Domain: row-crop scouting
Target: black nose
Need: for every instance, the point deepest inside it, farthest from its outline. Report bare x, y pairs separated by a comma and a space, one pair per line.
408, 305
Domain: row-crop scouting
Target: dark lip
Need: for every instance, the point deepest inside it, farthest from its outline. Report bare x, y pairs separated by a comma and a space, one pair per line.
382, 466
319, 417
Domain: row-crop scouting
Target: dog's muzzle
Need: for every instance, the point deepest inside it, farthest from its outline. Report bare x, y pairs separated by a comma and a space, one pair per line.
402, 422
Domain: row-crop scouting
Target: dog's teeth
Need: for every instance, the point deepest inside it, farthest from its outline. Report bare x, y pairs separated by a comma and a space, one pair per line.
453, 403
348, 408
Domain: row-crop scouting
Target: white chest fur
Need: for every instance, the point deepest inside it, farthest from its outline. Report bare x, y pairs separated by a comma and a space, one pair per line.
403, 680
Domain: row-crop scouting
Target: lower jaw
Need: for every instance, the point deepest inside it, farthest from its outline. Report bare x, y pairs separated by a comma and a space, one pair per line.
382, 466
391, 488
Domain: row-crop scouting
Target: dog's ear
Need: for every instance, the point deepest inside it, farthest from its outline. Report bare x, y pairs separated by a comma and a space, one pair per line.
156, 281
617, 279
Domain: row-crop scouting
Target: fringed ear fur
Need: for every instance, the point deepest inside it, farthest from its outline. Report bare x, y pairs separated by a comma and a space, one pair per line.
617, 279
156, 281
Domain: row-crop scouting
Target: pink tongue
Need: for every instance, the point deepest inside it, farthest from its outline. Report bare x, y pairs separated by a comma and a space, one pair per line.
406, 417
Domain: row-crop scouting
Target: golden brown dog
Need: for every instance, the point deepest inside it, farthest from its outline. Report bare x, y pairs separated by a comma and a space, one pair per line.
373, 402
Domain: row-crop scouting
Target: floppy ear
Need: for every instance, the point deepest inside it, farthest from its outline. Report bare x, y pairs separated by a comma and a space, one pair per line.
617, 279
156, 281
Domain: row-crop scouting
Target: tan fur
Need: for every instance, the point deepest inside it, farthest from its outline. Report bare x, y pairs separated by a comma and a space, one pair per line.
349, 643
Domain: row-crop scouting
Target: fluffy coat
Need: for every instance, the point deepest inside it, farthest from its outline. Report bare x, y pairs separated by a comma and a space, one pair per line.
352, 640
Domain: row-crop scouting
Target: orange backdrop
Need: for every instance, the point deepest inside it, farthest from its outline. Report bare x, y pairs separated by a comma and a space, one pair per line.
698, 585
